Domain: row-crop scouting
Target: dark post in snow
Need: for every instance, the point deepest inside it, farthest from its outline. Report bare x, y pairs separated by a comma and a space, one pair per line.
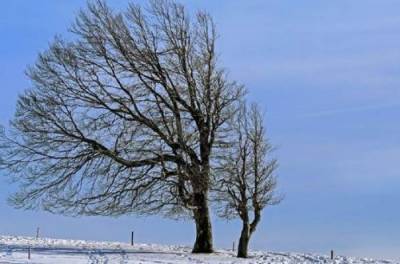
132, 235
37, 232
233, 246
29, 252
331, 254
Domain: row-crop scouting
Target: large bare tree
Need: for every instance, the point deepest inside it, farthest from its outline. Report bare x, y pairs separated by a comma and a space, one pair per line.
247, 182
125, 117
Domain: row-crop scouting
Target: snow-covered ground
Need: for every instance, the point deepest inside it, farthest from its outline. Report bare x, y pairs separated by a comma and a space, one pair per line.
44, 250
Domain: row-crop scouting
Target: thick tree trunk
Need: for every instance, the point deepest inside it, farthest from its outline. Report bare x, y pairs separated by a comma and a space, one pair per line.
204, 243
244, 241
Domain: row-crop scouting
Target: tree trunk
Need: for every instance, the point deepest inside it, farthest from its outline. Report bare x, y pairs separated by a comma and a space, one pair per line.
204, 243
244, 241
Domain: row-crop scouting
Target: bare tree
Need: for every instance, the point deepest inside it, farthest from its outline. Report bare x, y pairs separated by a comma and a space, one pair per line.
124, 118
247, 179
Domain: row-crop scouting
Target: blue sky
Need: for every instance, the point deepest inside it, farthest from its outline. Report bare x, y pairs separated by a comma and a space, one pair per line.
328, 75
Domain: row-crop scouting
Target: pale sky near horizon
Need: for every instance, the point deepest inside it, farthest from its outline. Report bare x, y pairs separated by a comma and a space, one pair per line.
328, 75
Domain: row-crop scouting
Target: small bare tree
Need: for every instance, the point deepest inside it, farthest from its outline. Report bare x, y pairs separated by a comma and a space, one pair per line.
247, 180
124, 118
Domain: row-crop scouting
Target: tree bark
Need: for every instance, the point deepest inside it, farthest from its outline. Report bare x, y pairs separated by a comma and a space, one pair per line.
244, 241
203, 243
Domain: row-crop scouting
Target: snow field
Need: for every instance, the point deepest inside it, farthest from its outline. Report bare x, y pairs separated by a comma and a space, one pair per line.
14, 250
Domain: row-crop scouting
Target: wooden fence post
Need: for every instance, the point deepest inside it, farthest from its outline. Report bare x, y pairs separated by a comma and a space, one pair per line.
332, 254
132, 235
